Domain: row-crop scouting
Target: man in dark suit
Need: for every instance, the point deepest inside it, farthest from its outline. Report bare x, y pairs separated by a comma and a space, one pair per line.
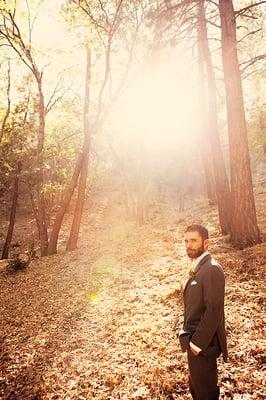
203, 334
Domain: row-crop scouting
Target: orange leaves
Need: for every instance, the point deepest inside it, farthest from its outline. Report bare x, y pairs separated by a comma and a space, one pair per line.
98, 323
114, 380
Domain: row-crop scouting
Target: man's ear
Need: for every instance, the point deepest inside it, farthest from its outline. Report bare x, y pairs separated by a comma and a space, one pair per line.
206, 244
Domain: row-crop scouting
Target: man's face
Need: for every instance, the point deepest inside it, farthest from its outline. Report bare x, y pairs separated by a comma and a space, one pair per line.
195, 246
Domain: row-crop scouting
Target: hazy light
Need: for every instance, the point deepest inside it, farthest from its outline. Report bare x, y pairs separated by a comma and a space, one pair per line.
48, 29
157, 108
103, 271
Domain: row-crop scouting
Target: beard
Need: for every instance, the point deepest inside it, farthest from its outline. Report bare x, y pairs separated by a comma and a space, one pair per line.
196, 252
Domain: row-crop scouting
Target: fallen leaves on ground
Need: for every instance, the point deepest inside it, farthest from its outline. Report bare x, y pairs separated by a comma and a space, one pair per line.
100, 322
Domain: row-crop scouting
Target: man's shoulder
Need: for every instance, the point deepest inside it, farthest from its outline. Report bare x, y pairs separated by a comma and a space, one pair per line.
213, 265
217, 270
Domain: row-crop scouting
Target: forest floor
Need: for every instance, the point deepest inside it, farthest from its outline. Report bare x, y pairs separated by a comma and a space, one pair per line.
100, 322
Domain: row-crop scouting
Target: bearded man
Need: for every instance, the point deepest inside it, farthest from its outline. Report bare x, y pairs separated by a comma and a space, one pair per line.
203, 334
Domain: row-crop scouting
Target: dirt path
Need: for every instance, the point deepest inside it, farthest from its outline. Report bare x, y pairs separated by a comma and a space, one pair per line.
98, 323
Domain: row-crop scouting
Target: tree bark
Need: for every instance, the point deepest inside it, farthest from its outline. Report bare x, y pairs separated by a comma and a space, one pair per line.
33, 205
221, 180
68, 193
204, 144
209, 176
12, 214
74, 233
244, 228
41, 208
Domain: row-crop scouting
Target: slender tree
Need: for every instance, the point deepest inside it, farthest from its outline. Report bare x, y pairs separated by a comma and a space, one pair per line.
203, 127
11, 33
244, 227
105, 31
16, 128
73, 237
221, 181
13, 210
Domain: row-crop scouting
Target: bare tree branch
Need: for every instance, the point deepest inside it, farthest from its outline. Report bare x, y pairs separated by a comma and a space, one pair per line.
29, 23
242, 10
36, 14
107, 71
248, 34
11, 44
248, 16
105, 13
213, 2
116, 18
27, 108
8, 102
88, 11
55, 100
122, 85
213, 24
177, 6
16, 41
251, 62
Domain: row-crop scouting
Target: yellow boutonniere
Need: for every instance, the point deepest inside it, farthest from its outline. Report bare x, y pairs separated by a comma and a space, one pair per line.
191, 272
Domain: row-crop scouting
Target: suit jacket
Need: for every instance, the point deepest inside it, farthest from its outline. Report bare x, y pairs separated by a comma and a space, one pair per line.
204, 307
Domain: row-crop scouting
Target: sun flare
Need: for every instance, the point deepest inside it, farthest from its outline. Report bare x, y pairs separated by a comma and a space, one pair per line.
157, 107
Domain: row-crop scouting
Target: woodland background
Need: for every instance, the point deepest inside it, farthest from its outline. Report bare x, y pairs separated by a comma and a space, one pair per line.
121, 122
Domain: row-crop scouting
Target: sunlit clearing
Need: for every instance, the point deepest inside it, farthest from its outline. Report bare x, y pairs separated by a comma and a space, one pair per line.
102, 271
105, 266
120, 230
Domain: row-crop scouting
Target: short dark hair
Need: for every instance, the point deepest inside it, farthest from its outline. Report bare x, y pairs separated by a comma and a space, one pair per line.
200, 229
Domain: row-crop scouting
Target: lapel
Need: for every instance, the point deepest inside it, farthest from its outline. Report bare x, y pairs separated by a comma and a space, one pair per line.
186, 285
203, 261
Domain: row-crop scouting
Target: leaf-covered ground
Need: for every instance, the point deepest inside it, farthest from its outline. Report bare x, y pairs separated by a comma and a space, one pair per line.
99, 322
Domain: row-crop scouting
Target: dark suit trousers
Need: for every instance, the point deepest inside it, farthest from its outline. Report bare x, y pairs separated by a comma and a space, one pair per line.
203, 376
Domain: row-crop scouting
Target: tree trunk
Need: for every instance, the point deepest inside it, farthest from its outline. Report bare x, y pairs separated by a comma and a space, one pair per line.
244, 226
221, 181
209, 176
74, 233
204, 144
68, 193
7, 112
73, 237
12, 214
33, 205
41, 208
